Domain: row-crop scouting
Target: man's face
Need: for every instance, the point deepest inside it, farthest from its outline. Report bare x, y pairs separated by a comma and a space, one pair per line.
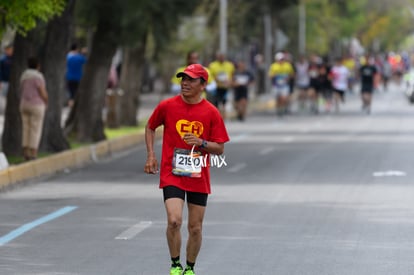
8, 51
191, 86
193, 59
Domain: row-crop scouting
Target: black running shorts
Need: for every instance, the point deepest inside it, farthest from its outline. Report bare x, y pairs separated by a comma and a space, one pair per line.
192, 197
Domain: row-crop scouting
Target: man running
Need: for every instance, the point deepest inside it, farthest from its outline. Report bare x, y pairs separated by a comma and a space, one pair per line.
367, 73
193, 129
222, 71
339, 77
280, 73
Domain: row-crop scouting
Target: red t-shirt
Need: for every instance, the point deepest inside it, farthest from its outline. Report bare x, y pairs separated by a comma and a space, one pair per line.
178, 117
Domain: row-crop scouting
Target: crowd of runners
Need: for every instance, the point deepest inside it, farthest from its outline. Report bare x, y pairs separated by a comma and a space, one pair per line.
321, 85
302, 84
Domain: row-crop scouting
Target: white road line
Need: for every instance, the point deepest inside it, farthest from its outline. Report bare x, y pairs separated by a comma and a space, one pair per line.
389, 173
237, 167
288, 139
134, 230
266, 151
238, 138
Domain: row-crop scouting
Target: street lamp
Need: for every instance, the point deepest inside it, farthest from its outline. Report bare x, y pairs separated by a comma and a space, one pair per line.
223, 26
302, 27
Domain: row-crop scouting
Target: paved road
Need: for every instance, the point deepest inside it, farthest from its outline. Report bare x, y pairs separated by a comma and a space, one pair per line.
326, 194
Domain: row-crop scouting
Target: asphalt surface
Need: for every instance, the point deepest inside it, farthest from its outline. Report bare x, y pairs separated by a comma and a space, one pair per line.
306, 194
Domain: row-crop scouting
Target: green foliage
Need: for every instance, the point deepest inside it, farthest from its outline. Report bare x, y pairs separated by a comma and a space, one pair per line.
158, 19
14, 160
111, 133
23, 15
371, 21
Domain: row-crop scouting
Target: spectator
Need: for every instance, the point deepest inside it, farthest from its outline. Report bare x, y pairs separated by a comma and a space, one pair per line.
74, 72
5, 65
33, 104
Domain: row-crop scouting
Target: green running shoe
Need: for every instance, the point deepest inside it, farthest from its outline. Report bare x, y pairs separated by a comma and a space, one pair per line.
188, 271
178, 270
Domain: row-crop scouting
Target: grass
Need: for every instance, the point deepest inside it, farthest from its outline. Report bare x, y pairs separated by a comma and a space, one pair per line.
110, 133
122, 131
19, 159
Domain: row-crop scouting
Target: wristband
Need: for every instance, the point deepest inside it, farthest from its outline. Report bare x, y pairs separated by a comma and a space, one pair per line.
203, 144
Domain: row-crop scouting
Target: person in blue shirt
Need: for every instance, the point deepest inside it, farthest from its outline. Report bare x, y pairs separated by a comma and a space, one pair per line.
74, 71
5, 65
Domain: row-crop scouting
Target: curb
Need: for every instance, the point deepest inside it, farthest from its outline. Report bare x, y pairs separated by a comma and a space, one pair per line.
72, 158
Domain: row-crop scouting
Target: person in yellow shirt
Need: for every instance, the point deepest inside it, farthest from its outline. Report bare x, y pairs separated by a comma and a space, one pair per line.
192, 58
280, 72
222, 71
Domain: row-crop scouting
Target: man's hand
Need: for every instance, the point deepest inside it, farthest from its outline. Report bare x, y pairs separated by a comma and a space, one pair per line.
151, 166
192, 139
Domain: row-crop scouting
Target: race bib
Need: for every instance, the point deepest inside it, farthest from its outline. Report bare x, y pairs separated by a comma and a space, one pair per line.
280, 81
313, 73
242, 79
187, 163
222, 77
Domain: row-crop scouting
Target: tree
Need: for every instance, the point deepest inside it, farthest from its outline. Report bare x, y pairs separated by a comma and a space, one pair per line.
54, 64
130, 82
21, 15
85, 120
127, 23
161, 26
371, 21
24, 46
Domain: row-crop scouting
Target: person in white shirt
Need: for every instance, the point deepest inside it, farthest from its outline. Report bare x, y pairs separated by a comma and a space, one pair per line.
303, 83
339, 78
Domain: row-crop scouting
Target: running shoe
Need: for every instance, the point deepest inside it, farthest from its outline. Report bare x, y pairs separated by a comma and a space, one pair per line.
178, 270
188, 271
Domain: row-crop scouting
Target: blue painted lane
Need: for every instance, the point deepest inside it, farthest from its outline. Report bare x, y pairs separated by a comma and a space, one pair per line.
29, 226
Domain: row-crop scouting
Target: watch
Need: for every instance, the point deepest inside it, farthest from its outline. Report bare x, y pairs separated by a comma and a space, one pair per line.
203, 144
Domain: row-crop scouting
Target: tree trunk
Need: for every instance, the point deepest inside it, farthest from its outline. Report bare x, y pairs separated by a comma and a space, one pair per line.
131, 80
85, 121
56, 45
12, 131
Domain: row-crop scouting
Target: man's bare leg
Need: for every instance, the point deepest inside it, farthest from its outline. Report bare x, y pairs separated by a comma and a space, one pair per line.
195, 226
174, 208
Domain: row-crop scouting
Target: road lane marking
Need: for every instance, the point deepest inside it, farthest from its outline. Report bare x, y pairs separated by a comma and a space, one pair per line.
28, 226
237, 167
390, 173
288, 139
266, 151
238, 137
134, 230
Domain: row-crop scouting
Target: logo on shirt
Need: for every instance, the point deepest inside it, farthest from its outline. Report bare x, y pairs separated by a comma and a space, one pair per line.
191, 159
184, 126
